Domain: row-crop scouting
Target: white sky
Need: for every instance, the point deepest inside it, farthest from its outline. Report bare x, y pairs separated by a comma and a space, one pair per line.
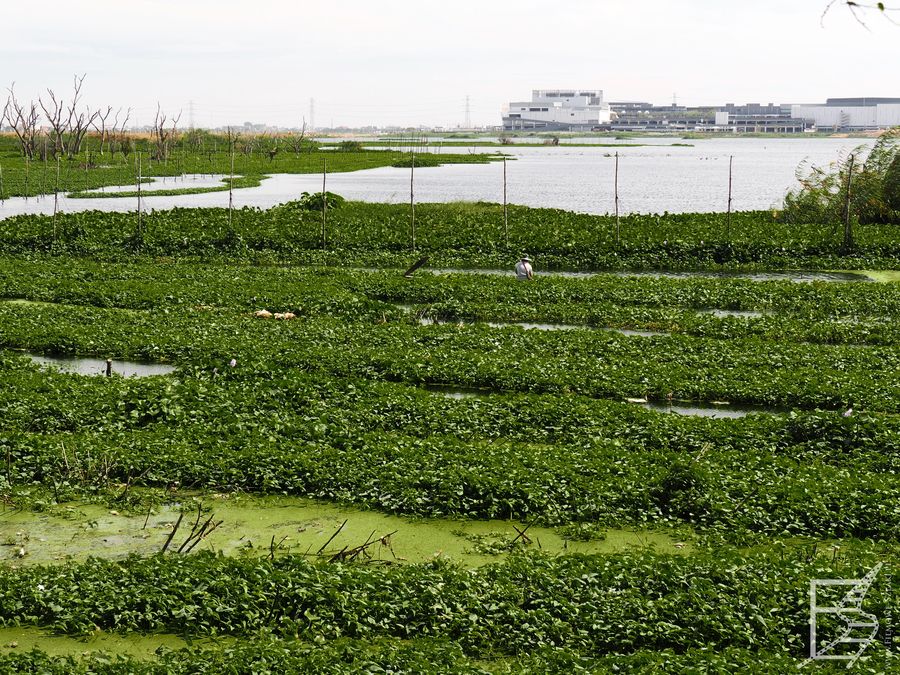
414, 62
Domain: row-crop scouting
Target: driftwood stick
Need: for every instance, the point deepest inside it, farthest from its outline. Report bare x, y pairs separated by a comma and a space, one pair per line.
172, 533
331, 538
204, 534
521, 535
196, 533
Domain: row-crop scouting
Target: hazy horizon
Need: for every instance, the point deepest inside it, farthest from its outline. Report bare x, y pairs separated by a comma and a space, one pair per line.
410, 64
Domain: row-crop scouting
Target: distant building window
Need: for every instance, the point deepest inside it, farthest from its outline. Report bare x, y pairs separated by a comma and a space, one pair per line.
567, 94
514, 115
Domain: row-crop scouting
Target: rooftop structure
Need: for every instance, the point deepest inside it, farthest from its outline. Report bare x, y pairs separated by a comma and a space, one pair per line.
559, 110
851, 114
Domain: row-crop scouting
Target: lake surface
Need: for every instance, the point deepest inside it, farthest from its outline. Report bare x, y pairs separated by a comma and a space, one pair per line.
652, 179
89, 366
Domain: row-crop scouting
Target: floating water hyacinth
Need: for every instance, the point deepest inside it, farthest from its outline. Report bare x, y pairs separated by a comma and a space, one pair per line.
232, 363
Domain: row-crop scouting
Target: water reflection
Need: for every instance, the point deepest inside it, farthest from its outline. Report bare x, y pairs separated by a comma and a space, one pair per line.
90, 366
652, 179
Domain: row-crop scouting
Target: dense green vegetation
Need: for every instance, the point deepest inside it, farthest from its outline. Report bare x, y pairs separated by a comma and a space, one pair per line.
459, 235
590, 604
863, 185
337, 404
253, 159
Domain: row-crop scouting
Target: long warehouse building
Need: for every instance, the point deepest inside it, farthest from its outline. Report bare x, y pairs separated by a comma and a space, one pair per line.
851, 114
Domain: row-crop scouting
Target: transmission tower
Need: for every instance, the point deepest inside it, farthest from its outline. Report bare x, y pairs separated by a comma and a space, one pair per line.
312, 114
191, 115
468, 124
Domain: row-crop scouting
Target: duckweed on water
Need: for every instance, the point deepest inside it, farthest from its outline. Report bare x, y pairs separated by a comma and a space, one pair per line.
254, 525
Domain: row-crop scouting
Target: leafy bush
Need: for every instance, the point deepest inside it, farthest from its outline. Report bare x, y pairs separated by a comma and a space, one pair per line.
873, 186
315, 201
892, 184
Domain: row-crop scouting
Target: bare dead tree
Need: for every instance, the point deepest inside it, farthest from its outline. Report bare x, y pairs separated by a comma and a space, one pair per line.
295, 141
78, 122
163, 135
69, 123
24, 121
53, 112
119, 136
860, 10
99, 125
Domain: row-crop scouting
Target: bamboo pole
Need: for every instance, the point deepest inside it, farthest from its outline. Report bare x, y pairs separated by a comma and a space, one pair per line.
324, 202
505, 211
616, 196
56, 198
139, 181
231, 188
412, 201
728, 221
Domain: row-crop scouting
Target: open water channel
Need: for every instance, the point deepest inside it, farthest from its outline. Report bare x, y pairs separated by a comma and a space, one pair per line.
653, 178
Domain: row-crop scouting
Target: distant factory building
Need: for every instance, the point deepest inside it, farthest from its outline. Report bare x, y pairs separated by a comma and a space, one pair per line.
559, 110
756, 118
851, 114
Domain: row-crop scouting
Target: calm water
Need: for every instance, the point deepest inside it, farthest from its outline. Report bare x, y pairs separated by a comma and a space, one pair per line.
88, 366
652, 179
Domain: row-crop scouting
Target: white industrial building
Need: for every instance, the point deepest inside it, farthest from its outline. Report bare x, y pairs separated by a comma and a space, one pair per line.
559, 110
851, 114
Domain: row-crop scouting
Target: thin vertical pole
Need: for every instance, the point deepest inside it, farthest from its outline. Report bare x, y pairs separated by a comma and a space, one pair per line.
56, 198
231, 188
848, 232
728, 222
26, 180
1, 183
616, 196
412, 201
324, 201
505, 213
140, 179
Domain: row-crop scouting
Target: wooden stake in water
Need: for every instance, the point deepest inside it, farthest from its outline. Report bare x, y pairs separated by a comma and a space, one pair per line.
728, 221
505, 214
616, 196
412, 201
231, 188
56, 198
324, 200
848, 231
140, 223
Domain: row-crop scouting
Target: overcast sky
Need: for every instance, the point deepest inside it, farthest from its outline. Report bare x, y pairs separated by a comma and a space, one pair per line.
414, 62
